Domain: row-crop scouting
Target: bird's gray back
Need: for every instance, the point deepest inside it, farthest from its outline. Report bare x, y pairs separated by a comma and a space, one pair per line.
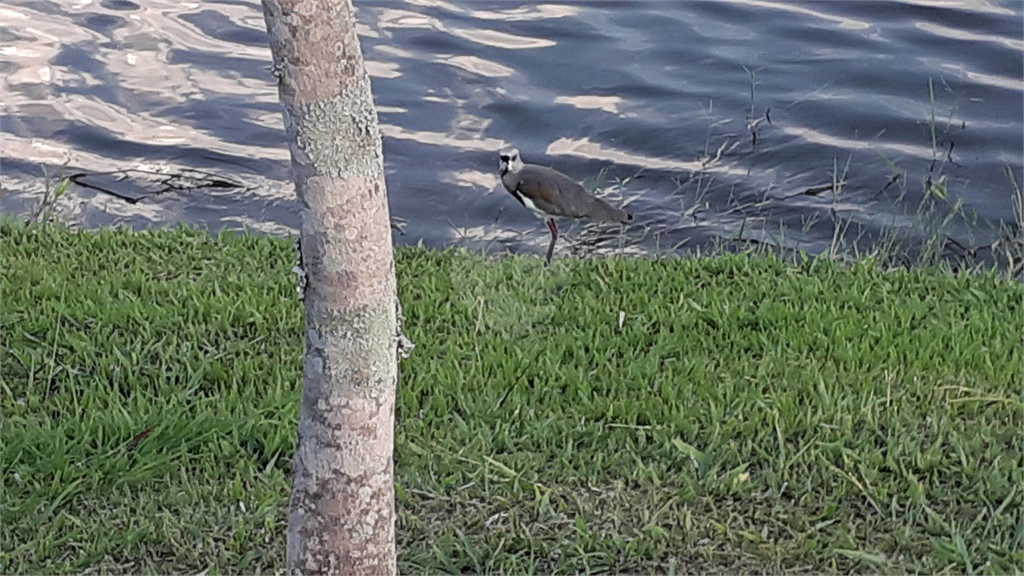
558, 195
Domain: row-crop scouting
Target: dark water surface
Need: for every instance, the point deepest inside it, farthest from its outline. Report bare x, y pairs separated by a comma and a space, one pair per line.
665, 106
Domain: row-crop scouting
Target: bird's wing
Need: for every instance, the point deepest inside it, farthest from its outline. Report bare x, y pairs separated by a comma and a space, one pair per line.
559, 195
552, 191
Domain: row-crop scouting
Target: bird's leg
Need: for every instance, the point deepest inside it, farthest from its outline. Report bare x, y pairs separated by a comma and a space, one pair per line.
554, 237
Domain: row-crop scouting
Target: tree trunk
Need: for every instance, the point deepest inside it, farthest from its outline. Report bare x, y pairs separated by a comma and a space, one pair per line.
342, 507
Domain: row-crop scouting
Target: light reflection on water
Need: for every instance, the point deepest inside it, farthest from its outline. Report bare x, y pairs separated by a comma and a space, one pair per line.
665, 106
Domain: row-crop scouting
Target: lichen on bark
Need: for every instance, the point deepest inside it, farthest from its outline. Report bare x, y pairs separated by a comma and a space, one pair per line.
340, 137
342, 508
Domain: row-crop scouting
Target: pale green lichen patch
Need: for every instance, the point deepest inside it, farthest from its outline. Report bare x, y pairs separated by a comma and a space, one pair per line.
340, 134
357, 346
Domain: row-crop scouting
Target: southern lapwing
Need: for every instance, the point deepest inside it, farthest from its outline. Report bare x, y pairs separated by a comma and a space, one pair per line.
551, 194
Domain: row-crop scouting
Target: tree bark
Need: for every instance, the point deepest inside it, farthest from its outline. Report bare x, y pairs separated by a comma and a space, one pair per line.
342, 507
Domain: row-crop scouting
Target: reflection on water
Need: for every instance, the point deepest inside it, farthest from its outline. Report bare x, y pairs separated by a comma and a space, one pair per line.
711, 120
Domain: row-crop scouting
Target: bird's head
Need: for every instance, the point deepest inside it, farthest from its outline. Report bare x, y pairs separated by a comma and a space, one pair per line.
509, 161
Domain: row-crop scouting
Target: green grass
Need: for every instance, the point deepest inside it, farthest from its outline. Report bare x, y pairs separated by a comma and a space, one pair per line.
749, 415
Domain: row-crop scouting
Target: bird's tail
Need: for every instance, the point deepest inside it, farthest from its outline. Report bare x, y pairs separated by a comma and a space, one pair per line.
602, 211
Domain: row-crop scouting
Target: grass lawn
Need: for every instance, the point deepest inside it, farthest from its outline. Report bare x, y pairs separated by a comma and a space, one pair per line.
734, 414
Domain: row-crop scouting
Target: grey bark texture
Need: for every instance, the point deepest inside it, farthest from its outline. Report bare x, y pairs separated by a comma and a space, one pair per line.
342, 507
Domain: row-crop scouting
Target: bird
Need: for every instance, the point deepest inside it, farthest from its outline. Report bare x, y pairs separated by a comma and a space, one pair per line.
550, 194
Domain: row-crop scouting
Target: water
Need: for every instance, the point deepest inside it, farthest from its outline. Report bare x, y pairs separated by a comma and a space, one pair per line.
710, 121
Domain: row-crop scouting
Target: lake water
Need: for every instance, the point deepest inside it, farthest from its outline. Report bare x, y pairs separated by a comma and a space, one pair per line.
711, 121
